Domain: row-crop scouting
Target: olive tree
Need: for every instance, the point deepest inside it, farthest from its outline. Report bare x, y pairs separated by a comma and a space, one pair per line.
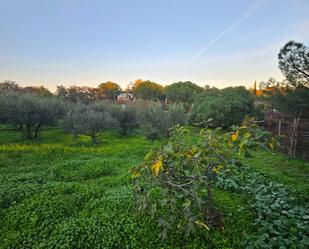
126, 116
156, 122
30, 110
90, 120
78, 94
177, 114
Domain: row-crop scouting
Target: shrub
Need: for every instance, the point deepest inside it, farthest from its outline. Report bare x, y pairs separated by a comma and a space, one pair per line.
177, 114
157, 122
175, 183
89, 120
222, 108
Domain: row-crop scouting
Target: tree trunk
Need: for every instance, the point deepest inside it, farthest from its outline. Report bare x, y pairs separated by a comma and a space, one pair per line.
75, 135
124, 130
213, 217
210, 197
94, 138
296, 133
36, 132
29, 135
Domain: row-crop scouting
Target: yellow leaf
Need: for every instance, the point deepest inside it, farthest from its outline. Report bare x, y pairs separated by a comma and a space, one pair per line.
271, 146
202, 224
188, 155
135, 174
157, 167
217, 168
234, 136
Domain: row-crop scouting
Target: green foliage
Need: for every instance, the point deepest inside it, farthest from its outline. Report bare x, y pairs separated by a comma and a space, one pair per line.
177, 114
127, 117
61, 193
110, 90
78, 170
175, 183
37, 90
157, 122
294, 63
30, 110
222, 108
148, 90
182, 92
89, 120
291, 172
9, 85
76, 94
280, 222
292, 101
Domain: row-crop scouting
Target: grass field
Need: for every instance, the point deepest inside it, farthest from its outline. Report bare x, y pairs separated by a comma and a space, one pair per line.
61, 193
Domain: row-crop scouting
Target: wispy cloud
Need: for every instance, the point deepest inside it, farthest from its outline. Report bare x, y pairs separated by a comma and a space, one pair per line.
228, 29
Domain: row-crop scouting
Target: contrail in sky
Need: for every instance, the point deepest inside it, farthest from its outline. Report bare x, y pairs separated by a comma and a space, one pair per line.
228, 29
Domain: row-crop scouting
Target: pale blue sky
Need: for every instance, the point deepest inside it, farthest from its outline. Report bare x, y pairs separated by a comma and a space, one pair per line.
84, 42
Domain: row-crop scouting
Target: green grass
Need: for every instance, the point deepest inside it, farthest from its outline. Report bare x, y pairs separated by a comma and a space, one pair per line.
291, 172
57, 192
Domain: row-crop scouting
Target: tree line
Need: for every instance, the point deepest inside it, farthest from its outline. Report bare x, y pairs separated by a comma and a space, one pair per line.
90, 111
30, 111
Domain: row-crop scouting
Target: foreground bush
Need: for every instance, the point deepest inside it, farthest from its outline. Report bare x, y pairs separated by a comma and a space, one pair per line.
222, 108
175, 183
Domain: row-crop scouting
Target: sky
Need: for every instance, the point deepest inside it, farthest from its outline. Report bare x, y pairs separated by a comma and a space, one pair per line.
86, 42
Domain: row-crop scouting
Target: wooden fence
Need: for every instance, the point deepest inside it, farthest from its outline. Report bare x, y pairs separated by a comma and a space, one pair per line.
294, 132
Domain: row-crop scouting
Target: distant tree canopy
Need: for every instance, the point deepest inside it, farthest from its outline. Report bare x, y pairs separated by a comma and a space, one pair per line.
137, 83
75, 94
109, 90
294, 63
293, 101
148, 90
222, 108
38, 90
9, 86
12, 86
182, 92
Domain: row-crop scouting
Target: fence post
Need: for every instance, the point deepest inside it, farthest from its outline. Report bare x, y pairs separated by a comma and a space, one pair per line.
292, 138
